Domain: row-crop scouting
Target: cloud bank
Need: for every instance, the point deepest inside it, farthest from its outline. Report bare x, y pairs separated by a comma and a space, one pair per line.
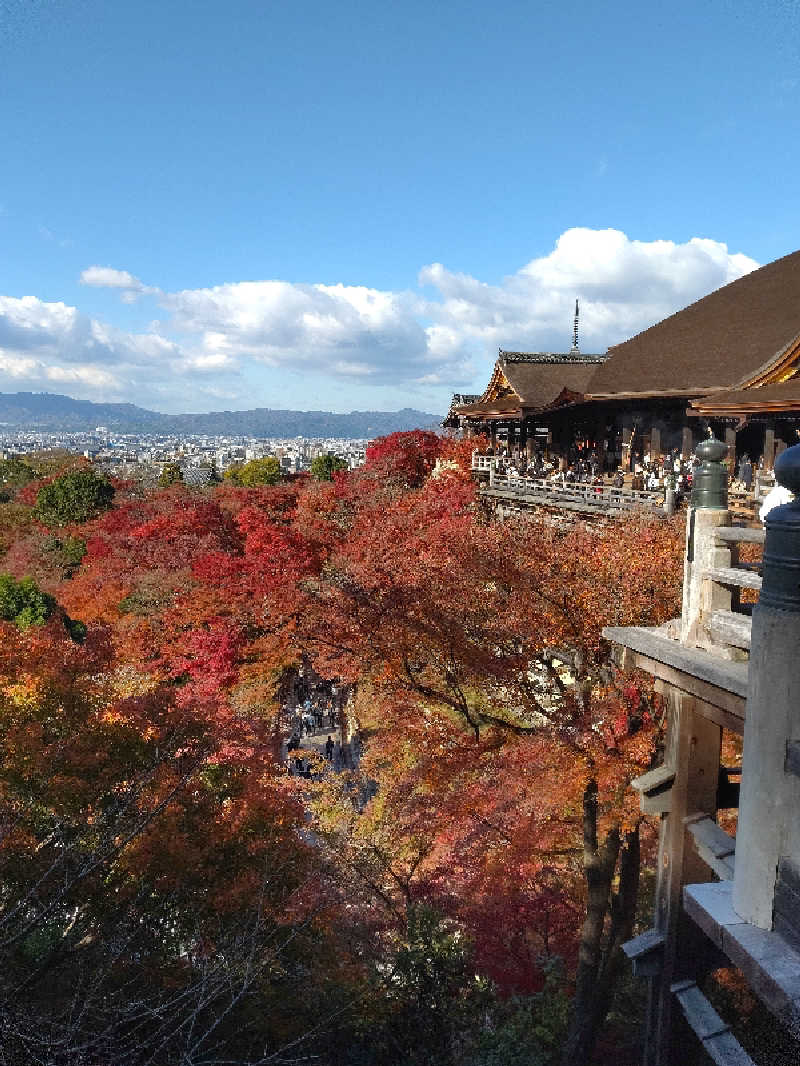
443, 335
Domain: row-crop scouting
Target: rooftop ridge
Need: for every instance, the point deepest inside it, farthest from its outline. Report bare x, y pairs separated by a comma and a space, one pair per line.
548, 357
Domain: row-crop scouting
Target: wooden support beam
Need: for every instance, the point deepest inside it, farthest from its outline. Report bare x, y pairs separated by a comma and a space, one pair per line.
655, 789
769, 447
735, 577
713, 1033
693, 745
714, 846
646, 953
687, 443
731, 627
740, 535
730, 440
627, 451
655, 442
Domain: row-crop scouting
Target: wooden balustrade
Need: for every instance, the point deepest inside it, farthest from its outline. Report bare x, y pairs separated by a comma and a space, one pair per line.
555, 491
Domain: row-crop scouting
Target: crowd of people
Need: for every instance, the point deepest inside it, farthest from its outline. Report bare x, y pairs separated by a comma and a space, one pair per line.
649, 473
314, 714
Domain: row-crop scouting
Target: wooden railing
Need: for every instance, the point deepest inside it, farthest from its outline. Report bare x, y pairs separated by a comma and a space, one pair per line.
730, 621
483, 463
595, 497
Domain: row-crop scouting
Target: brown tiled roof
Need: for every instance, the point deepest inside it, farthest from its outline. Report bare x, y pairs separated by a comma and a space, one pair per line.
720, 342
539, 384
781, 397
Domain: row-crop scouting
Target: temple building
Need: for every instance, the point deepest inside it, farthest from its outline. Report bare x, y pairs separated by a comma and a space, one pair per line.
730, 362
460, 399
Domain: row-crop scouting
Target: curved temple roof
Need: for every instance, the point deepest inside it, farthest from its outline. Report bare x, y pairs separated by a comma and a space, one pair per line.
742, 340
730, 339
780, 398
533, 381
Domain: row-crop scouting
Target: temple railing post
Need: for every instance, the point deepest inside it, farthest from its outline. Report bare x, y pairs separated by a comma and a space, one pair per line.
768, 832
708, 510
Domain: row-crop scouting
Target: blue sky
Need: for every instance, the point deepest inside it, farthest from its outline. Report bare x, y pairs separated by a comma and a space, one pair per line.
352, 205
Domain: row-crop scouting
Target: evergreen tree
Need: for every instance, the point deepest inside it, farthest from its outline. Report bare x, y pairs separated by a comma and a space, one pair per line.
324, 466
23, 602
170, 474
74, 497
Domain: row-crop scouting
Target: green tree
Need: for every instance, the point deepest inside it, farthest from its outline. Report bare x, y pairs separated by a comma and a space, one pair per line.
265, 471
74, 497
324, 466
170, 474
14, 473
23, 602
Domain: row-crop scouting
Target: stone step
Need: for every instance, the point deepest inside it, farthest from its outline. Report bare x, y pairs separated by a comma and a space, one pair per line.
731, 627
733, 576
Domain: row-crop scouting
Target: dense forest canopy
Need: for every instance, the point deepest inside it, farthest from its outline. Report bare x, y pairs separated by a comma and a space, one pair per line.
171, 894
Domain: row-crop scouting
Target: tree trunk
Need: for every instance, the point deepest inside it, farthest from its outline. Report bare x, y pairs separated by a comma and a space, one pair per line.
600, 959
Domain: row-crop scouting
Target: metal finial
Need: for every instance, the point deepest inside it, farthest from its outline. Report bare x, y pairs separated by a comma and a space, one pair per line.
710, 478
575, 348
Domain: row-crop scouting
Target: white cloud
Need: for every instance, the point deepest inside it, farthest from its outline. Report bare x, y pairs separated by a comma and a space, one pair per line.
348, 331
42, 343
208, 339
109, 278
624, 286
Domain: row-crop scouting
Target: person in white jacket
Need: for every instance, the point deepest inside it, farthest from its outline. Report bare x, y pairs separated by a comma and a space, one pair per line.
775, 498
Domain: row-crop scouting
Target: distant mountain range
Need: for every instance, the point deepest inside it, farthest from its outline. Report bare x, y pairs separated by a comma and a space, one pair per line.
51, 412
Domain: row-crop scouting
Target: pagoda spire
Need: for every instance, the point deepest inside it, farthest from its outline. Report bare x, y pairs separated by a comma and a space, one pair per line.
575, 350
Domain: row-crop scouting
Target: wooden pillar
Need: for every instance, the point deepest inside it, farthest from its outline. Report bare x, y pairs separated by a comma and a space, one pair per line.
730, 440
687, 443
769, 447
655, 443
493, 435
523, 434
512, 435
693, 747
627, 451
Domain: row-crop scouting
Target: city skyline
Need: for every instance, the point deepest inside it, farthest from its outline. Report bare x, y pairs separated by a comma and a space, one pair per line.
354, 208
